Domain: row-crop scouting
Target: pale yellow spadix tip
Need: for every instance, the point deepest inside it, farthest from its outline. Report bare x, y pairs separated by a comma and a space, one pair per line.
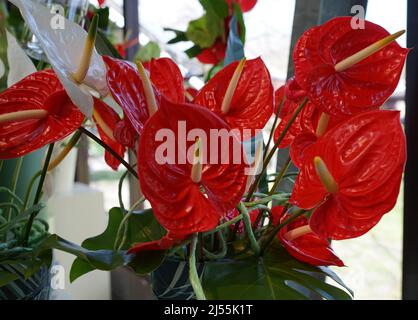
297, 233
226, 103
367, 52
322, 125
149, 91
84, 64
23, 115
325, 176
196, 175
103, 125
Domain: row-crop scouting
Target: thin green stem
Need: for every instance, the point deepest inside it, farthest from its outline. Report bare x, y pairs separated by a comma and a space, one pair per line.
224, 225
15, 179
279, 178
276, 119
38, 194
120, 185
273, 150
111, 151
30, 188
222, 253
119, 243
193, 275
272, 235
248, 228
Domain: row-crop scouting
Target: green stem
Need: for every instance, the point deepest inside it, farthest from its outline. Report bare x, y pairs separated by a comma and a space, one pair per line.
30, 188
111, 151
38, 194
276, 119
248, 228
273, 150
119, 243
280, 176
120, 185
15, 179
277, 229
193, 275
222, 253
224, 225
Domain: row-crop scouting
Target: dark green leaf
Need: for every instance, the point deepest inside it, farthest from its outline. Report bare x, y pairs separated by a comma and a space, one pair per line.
147, 261
105, 47
180, 36
103, 17
193, 51
7, 277
220, 7
142, 227
275, 276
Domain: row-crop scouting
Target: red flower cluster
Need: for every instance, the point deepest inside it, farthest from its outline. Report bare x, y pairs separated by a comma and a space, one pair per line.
351, 155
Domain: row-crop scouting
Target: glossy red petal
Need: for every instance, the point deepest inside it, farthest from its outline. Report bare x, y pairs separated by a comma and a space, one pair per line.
125, 134
366, 156
126, 88
167, 242
300, 148
306, 121
252, 103
294, 92
165, 174
111, 118
214, 54
167, 79
41, 90
309, 248
277, 212
364, 86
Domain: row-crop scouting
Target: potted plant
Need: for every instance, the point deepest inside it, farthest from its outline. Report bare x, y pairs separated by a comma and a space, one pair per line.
210, 228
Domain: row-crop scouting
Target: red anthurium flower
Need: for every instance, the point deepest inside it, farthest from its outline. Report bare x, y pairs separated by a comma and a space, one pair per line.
277, 212
364, 86
127, 88
167, 242
246, 5
214, 54
125, 134
290, 96
35, 112
306, 246
189, 198
106, 120
241, 94
351, 175
167, 78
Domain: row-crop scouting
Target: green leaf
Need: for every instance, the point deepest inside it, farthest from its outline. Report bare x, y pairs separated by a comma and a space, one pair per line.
103, 17
7, 277
205, 30
180, 36
220, 7
105, 47
147, 261
148, 52
275, 276
193, 51
142, 227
